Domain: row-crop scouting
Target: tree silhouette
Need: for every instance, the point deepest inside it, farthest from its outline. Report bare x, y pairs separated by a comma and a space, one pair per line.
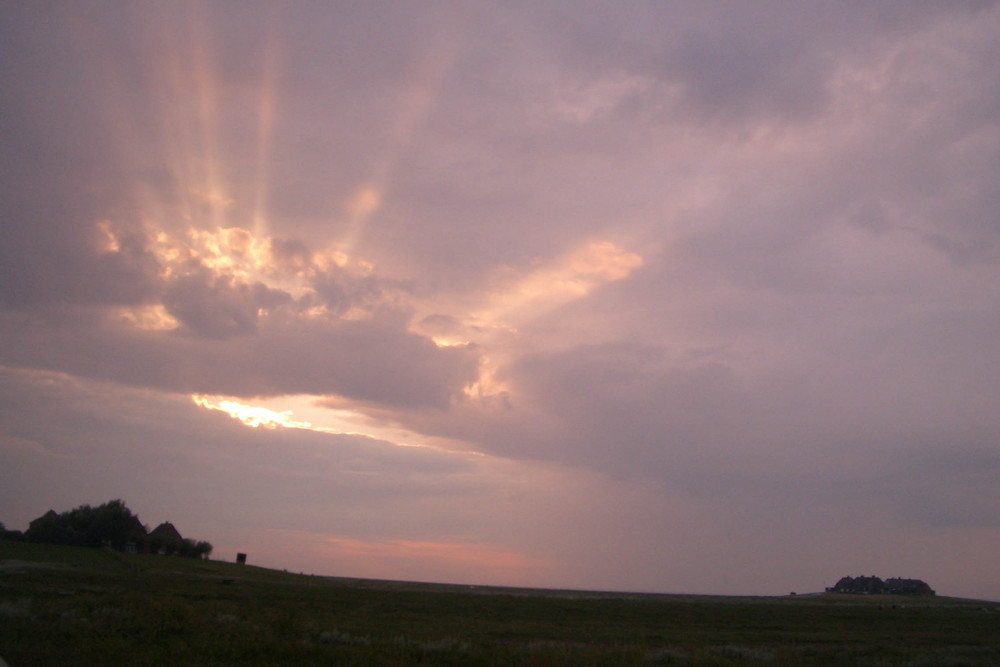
111, 524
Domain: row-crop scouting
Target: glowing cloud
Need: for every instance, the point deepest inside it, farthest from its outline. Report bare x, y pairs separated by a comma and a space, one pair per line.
309, 284
365, 202
494, 322
250, 415
150, 318
333, 416
570, 277
521, 298
111, 243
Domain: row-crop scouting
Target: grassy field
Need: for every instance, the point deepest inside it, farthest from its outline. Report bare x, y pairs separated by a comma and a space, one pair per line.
64, 606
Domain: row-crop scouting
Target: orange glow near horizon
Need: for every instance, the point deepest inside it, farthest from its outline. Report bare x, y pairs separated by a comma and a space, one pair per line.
464, 561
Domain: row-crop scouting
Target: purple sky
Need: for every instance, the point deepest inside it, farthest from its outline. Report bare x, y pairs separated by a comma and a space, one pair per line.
680, 297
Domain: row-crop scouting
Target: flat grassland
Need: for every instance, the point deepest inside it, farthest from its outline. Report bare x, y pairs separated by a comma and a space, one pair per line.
66, 605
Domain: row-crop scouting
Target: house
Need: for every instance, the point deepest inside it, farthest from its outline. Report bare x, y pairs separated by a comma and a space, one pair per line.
164, 539
43, 520
48, 528
166, 532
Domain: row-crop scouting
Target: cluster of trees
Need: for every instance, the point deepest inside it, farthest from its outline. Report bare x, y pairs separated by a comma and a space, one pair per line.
874, 586
111, 524
14, 535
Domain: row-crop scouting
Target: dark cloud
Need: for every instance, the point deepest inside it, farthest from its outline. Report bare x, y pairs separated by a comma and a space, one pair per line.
946, 485
742, 75
47, 266
215, 308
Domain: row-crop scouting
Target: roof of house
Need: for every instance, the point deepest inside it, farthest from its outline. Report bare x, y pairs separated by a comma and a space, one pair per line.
51, 514
166, 531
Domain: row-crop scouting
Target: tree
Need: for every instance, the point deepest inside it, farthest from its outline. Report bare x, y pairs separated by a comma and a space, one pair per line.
114, 524
203, 549
111, 524
12, 535
188, 548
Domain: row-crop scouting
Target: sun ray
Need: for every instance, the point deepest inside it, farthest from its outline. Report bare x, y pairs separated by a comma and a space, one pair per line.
415, 102
266, 104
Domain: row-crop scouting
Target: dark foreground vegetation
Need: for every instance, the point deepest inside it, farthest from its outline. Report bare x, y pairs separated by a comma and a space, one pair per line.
63, 605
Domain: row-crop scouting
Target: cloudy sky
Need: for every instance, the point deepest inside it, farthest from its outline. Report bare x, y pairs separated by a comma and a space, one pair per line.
680, 297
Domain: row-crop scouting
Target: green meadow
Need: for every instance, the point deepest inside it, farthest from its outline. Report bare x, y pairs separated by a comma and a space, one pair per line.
66, 605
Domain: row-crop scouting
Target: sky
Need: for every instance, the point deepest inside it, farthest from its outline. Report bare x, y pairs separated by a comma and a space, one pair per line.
691, 297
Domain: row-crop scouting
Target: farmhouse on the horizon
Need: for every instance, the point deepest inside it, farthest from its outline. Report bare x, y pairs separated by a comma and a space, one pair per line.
112, 525
875, 586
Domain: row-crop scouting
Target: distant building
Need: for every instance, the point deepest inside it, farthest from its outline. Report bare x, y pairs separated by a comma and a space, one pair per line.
48, 528
166, 532
896, 586
165, 539
46, 518
874, 586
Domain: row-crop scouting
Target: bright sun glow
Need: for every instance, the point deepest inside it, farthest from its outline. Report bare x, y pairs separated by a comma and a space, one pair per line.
250, 415
265, 414
311, 414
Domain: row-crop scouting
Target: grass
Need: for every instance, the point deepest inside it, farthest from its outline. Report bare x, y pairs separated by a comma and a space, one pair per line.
100, 607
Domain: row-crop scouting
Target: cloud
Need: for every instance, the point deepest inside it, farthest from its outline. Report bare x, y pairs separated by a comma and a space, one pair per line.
222, 311
369, 360
743, 76
216, 308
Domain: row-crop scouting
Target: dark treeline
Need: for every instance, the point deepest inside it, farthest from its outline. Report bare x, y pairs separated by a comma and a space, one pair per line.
875, 586
111, 524
15, 535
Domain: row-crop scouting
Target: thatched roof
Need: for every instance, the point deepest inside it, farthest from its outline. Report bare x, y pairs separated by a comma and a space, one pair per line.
166, 532
45, 518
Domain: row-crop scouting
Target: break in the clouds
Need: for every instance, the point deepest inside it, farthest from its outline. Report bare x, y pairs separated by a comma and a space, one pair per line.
664, 297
